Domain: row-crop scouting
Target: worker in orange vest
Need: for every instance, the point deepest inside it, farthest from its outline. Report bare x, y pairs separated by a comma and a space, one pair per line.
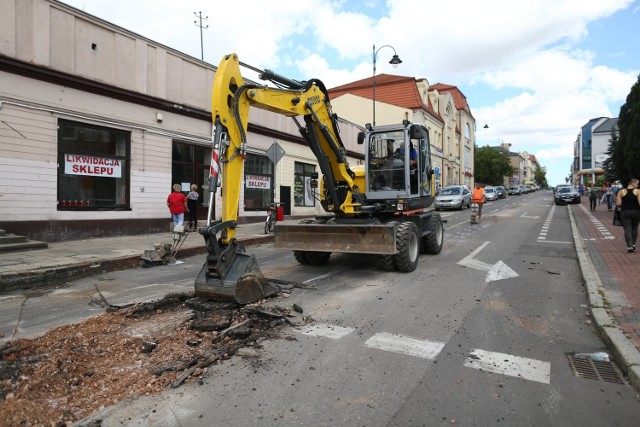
478, 197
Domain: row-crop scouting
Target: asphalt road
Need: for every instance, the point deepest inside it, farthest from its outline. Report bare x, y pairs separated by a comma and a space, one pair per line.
477, 335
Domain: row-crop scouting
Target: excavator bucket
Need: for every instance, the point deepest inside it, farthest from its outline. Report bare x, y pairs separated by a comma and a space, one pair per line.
352, 238
229, 274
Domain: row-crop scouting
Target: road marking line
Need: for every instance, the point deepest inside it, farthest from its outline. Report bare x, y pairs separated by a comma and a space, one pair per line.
506, 364
553, 241
405, 345
606, 235
545, 226
325, 330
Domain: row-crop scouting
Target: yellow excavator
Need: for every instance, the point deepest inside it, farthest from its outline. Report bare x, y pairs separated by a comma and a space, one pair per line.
379, 208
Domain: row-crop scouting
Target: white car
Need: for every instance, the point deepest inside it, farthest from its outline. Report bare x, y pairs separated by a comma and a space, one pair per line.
453, 197
490, 194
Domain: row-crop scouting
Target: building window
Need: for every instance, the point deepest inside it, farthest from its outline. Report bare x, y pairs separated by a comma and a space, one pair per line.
303, 194
93, 167
258, 183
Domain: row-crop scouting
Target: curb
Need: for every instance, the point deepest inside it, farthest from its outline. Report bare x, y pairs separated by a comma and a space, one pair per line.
623, 351
51, 276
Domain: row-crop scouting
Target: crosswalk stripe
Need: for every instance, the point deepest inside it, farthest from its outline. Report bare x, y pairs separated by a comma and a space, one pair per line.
326, 330
514, 366
405, 345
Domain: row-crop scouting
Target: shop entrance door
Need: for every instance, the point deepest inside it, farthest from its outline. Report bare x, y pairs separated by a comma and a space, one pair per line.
190, 165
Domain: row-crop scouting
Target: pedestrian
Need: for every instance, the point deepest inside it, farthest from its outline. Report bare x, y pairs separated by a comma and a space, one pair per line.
177, 204
628, 201
593, 197
581, 189
192, 205
609, 196
478, 197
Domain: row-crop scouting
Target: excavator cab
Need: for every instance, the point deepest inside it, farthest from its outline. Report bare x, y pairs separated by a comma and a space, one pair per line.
397, 163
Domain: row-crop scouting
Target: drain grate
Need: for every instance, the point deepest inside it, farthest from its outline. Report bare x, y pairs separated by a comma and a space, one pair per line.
596, 370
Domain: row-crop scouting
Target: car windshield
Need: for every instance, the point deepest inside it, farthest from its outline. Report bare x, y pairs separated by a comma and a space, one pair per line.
489, 190
453, 191
564, 190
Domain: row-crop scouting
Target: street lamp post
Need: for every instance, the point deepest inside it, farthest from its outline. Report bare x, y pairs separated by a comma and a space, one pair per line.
395, 60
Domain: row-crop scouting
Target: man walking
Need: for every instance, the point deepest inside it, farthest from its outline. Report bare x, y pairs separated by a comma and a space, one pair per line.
478, 197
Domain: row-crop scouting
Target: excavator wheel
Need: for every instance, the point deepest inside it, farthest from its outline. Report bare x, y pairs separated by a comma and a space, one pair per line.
388, 262
408, 246
301, 257
317, 258
432, 242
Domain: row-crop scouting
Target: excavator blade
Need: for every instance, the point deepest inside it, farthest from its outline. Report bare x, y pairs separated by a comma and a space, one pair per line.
234, 277
351, 238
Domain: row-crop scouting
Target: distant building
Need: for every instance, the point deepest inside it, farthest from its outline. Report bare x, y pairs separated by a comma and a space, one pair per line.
590, 149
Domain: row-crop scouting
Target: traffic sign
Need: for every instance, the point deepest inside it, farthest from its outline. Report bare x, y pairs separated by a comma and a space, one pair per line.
275, 152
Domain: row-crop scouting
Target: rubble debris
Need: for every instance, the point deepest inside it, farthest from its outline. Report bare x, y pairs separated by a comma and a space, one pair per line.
73, 370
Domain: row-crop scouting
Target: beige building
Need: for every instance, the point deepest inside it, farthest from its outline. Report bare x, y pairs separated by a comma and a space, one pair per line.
97, 123
443, 109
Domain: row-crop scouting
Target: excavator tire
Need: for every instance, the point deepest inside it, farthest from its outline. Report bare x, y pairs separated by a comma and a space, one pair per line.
317, 258
388, 262
432, 242
301, 257
408, 246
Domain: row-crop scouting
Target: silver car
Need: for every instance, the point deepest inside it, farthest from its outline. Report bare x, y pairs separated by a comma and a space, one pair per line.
490, 194
453, 197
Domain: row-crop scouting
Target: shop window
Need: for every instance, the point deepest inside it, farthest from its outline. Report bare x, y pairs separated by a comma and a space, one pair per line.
258, 183
303, 193
93, 167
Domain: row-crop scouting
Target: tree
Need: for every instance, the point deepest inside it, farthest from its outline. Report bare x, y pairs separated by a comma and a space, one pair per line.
625, 153
540, 177
491, 166
609, 165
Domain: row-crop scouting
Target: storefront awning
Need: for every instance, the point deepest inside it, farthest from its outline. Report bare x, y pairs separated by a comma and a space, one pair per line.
596, 171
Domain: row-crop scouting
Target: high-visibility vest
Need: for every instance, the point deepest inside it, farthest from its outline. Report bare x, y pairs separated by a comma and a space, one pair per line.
478, 195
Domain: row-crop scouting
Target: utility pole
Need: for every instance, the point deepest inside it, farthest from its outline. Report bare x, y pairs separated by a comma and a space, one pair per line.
199, 24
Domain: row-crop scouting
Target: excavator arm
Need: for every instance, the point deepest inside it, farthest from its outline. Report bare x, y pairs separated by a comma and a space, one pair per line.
232, 98
228, 272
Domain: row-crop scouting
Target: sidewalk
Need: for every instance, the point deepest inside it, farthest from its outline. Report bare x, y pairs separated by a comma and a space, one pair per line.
612, 278
64, 261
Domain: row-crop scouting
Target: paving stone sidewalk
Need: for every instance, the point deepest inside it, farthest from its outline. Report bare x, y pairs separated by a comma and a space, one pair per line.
619, 270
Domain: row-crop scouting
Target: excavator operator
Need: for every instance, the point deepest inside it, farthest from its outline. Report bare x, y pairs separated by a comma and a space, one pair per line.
478, 197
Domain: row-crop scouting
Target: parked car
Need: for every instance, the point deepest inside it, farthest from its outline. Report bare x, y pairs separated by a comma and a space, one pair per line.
502, 193
453, 197
514, 190
490, 194
525, 189
565, 195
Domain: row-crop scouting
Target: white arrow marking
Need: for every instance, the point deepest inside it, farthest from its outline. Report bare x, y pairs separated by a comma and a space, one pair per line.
497, 271
524, 215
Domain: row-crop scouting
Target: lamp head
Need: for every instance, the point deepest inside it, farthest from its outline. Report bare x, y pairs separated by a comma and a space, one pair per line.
486, 126
395, 60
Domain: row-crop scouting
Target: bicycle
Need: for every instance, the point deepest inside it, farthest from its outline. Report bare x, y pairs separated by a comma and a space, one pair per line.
270, 221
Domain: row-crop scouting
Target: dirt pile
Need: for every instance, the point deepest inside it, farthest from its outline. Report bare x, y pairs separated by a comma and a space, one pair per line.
74, 370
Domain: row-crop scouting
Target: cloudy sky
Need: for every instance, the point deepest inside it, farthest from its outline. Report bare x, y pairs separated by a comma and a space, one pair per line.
534, 71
